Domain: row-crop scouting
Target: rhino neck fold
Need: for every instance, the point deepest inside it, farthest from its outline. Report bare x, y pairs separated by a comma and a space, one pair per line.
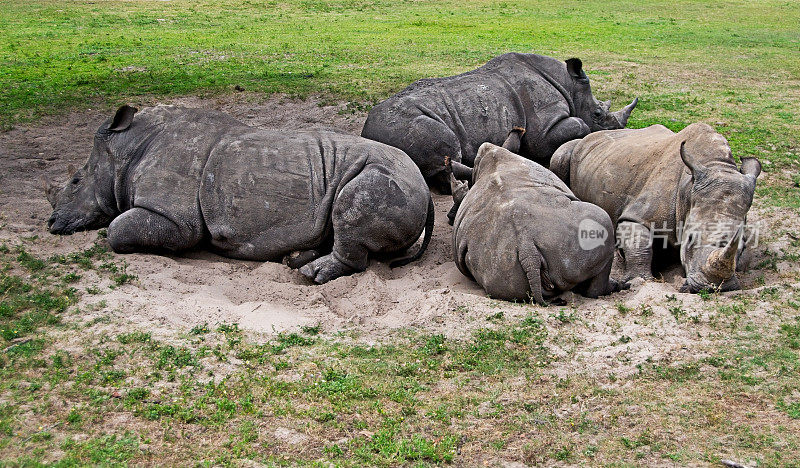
104, 196
126, 155
100, 169
553, 82
682, 200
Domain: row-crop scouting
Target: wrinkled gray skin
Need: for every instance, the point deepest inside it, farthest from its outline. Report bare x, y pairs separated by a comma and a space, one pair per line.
453, 116
652, 181
170, 178
516, 231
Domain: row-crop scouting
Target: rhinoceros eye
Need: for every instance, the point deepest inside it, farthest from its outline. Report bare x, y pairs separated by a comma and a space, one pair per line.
598, 112
76, 179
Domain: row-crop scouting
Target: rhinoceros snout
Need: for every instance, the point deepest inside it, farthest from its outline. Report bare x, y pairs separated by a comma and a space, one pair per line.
694, 285
58, 225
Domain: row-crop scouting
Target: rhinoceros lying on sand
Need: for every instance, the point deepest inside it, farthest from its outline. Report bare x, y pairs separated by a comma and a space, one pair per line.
638, 178
170, 178
453, 116
518, 231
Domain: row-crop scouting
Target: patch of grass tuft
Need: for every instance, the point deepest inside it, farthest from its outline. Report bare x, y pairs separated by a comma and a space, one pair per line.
103, 450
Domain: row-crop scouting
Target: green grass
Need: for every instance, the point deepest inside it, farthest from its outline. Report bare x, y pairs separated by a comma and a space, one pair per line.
690, 61
26, 306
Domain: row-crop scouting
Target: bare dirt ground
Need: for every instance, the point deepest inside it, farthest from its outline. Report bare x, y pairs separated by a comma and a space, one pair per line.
430, 295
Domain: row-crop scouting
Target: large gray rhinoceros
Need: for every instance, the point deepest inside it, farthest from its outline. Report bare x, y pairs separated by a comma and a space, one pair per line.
522, 234
170, 178
453, 116
682, 189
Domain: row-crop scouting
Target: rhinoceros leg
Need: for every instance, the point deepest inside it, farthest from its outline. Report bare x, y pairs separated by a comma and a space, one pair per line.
636, 250
601, 284
371, 214
141, 230
433, 140
567, 129
299, 259
327, 268
560, 162
457, 188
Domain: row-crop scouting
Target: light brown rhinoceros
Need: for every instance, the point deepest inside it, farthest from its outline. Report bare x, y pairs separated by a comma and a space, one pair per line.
169, 179
522, 234
683, 188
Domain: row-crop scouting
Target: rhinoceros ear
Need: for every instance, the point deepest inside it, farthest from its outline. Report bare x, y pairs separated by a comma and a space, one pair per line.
575, 69
751, 167
123, 118
697, 168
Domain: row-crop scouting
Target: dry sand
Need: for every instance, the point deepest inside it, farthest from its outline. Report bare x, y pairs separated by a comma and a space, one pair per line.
430, 296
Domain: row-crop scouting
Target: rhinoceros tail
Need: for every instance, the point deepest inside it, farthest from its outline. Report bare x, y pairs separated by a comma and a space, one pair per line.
425, 241
531, 263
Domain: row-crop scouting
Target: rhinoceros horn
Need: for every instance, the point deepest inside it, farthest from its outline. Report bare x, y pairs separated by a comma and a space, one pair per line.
722, 262
623, 114
50, 190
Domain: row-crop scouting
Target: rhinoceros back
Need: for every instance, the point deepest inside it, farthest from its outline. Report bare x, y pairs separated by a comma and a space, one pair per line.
476, 107
265, 193
512, 90
632, 174
486, 247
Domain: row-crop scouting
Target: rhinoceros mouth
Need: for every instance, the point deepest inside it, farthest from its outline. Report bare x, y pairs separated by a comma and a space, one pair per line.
696, 283
60, 226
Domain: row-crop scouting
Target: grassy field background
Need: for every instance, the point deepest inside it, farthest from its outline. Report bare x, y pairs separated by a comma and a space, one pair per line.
215, 396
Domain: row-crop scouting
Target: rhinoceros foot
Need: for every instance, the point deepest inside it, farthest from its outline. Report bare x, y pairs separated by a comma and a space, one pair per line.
325, 269
618, 285
302, 258
637, 281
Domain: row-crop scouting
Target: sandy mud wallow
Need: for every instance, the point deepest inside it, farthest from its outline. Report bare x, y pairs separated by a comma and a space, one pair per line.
168, 179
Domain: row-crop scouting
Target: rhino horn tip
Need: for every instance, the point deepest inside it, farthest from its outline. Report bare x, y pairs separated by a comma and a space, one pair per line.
722, 261
623, 114
50, 190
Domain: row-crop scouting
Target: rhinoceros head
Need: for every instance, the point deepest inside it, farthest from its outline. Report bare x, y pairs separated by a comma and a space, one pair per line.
596, 114
83, 202
713, 232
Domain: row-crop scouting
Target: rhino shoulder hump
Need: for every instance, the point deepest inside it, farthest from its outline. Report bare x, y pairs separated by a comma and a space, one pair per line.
486, 147
659, 128
508, 57
699, 128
